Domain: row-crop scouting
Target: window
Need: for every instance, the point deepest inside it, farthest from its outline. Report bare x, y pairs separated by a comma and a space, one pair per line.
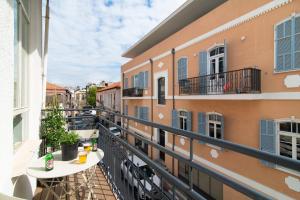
287, 45
182, 68
289, 139
216, 60
143, 113
21, 49
215, 125
161, 91
183, 120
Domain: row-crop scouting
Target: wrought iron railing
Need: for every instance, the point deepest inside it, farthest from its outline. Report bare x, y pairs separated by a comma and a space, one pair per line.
135, 183
133, 92
247, 80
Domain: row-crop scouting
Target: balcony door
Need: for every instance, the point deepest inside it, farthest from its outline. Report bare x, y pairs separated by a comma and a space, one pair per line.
216, 69
161, 91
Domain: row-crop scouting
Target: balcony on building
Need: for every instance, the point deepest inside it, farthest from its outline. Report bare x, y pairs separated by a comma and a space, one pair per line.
242, 81
133, 92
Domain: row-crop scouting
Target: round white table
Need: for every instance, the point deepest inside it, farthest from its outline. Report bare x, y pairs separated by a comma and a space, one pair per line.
63, 169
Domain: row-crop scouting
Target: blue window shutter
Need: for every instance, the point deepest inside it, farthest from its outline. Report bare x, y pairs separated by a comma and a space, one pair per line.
141, 113
189, 121
141, 80
146, 79
268, 139
136, 111
126, 110
125, 83
225, 56
146, 113
222, 127
174, 118
296, 43
179, 71
283, 44
184, 68
202, 71
202, 124
132, 81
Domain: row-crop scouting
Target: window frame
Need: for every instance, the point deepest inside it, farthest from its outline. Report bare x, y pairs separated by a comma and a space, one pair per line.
215, 122
184, 119
294, 148
21, 68
161, 99
218, 56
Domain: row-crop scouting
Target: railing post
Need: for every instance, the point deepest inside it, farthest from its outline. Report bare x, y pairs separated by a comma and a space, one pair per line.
191, 160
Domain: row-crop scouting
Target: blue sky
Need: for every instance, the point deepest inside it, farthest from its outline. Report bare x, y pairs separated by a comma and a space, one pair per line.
87, 37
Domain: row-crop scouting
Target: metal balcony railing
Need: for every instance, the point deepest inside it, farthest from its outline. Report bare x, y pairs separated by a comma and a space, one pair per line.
247, 80
130, 180
133, 92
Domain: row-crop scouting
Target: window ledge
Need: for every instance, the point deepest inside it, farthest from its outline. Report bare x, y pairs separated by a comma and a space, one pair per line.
214, 146
286, 170
286, 71
24, 155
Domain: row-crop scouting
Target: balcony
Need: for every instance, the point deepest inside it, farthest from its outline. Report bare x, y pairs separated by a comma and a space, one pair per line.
242, 81
133, 92
126, 172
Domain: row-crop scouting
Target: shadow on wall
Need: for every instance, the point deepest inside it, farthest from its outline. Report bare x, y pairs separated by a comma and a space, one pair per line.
22, 187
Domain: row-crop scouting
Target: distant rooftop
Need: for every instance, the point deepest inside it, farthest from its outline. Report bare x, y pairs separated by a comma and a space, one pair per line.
184, 15
52, 86
110, 86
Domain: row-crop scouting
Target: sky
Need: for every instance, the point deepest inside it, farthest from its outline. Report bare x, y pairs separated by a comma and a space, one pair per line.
88, 37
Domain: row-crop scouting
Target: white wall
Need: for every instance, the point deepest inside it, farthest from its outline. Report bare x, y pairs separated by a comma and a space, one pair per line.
22, 186
6, 94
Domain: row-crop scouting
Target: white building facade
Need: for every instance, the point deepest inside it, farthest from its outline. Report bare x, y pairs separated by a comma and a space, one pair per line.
21, 68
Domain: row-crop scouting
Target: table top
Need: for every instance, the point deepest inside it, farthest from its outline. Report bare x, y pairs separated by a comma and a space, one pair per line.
62, 168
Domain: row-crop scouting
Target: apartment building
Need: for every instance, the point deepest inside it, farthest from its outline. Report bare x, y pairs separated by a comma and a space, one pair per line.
21, 85
228, 70
110, 97
62, 95
80, 98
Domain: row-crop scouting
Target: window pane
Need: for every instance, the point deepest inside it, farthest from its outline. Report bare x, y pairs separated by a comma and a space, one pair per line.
298, 131
286, 146
211, 130
285, 126
17, 131
221, 65
219, 135
294, 127
185, 124
221, 50
181, 123
298, 148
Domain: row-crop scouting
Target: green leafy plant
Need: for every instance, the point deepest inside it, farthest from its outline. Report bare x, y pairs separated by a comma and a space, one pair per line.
91, 96
69, 138
53, 126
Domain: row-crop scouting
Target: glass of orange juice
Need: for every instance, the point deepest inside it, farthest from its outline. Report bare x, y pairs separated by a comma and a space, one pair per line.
87, 147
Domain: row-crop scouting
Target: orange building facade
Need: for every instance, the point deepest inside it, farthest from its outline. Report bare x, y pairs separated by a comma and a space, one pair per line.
231, 71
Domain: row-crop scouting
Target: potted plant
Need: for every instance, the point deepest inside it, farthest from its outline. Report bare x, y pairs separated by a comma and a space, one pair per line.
69, 145
53, 126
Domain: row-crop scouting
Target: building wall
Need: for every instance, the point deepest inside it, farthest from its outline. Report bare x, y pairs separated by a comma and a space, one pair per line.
249, 43
22, 186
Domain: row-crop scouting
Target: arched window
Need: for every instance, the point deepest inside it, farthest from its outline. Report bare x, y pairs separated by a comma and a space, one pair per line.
216, 60
182, 68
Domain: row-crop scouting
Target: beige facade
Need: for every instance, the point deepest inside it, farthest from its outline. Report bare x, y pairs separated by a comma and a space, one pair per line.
242, 42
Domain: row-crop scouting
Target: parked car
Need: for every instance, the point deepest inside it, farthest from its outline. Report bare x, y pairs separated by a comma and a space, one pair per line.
115, 131
142, 175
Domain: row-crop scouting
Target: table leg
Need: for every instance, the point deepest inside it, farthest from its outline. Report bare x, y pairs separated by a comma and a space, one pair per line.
49, 187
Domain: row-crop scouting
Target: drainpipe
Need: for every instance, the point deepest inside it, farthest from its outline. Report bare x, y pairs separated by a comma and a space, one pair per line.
173, 71
173, 93
151, 74
45, 56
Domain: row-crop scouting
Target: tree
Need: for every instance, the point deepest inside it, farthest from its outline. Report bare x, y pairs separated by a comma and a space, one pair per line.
91, 96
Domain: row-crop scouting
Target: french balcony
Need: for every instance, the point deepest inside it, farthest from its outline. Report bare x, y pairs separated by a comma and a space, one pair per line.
242, 81
133, 92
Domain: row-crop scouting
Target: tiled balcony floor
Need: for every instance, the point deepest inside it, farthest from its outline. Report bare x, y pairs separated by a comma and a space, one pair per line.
102, 189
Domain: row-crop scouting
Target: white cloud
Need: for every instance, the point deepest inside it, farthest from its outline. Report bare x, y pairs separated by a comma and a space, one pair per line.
87, 37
